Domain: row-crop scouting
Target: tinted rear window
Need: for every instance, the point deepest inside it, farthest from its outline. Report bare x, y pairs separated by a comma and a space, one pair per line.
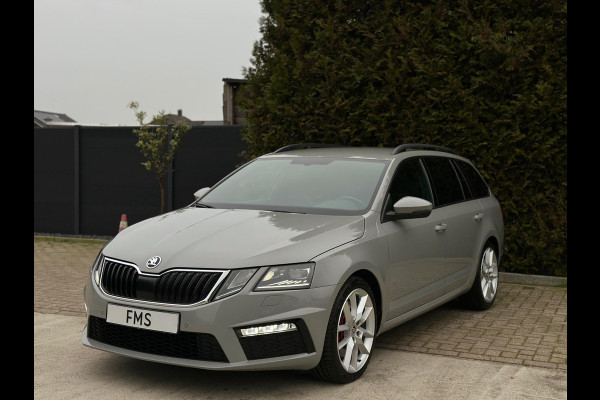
463, 182
445, 182
476, 182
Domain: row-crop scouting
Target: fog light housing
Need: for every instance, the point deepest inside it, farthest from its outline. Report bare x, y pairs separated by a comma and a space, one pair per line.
268, 329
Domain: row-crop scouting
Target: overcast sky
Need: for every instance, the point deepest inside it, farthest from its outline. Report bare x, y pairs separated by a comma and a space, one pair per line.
92, 57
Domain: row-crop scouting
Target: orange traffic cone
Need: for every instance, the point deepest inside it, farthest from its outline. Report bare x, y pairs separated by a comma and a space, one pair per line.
123, 223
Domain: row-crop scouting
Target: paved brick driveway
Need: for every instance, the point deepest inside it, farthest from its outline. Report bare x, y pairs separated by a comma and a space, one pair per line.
526, 326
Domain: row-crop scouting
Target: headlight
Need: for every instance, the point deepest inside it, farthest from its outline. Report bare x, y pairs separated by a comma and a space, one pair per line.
283, 277
235, 282
95, 271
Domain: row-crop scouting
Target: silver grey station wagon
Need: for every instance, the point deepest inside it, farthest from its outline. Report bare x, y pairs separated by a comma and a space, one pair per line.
298, 260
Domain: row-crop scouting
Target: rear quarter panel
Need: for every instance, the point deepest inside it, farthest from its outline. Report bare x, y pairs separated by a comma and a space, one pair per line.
493, 222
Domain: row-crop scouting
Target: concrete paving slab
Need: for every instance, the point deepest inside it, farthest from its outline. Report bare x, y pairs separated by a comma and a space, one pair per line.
65, 369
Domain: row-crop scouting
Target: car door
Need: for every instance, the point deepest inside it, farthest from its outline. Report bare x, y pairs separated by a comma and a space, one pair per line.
416, 251
459, 214
473, 184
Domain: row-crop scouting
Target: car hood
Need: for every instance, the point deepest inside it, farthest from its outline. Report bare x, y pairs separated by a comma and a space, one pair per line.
225, 239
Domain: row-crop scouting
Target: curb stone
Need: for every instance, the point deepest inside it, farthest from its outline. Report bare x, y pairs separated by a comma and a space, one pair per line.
535, 280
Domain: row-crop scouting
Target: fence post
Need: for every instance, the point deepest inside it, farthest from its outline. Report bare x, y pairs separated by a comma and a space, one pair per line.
76, 168
169, 206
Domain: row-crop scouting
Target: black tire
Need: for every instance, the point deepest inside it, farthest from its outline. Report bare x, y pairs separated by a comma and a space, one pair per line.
330, 367
475, 299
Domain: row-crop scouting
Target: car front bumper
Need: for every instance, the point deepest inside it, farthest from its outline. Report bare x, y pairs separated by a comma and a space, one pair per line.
308, 308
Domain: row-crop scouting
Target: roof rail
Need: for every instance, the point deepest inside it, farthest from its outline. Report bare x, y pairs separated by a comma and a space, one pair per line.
420, 146
306, 145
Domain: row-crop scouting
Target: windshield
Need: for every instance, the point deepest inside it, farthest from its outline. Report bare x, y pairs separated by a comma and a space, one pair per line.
315, 185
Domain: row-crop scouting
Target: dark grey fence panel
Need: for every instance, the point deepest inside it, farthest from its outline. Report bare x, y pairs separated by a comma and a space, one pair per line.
53, 175
207, 154
84, 182
113, 181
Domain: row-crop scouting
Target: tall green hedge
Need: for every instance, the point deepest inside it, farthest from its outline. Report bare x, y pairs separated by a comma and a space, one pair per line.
485, 77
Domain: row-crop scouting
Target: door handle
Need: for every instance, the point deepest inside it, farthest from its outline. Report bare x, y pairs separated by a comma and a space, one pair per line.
440, 227
478, 217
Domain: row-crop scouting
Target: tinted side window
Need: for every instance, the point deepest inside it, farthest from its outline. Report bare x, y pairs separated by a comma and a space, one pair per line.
476, 182
446, 186
409, 180
463, 182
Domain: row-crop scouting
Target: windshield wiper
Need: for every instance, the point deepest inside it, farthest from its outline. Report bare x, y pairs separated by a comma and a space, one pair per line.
202, 205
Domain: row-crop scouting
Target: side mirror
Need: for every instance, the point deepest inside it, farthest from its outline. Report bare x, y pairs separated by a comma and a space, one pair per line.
409, 207
201, 192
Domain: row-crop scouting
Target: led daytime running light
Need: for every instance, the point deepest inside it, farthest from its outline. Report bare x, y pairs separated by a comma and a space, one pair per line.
268, 329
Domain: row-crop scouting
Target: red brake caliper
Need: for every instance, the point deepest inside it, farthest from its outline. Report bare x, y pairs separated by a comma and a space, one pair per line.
341, 334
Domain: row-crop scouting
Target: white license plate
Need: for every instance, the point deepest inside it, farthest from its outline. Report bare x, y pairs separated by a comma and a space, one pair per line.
143, 318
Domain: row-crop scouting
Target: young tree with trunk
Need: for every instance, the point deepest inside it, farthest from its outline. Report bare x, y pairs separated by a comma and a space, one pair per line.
158, 142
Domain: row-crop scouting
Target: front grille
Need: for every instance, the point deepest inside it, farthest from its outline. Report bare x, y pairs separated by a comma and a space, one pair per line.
188, 345
119, 279
180, 287
173, 287
278, 344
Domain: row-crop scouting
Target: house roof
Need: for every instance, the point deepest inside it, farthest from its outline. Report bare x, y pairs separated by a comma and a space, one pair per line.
175, 118
47, 118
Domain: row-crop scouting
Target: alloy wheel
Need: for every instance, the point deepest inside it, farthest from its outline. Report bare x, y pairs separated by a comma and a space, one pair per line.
489, 274
356, 330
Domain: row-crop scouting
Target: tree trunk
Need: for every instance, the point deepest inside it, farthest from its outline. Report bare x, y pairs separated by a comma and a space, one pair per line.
162, 194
